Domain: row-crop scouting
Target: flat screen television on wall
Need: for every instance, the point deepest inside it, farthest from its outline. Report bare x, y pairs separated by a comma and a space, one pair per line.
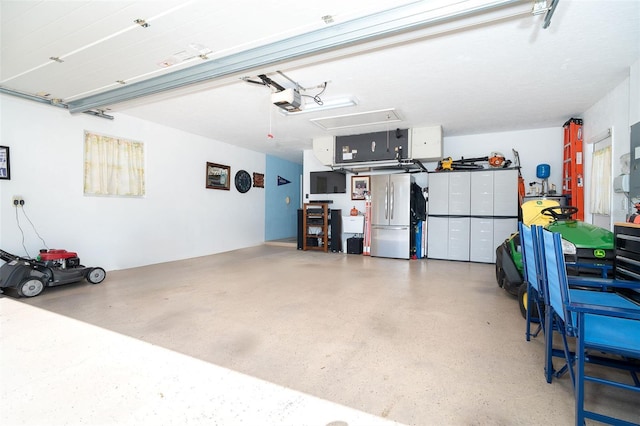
328, 183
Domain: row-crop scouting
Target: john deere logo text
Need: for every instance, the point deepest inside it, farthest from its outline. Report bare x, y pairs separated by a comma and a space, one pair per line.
599, 253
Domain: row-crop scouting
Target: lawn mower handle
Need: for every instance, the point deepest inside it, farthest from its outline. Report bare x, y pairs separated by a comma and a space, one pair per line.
8, 257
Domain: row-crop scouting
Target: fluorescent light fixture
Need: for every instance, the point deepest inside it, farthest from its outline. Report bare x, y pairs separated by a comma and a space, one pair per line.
368, 118
326, 105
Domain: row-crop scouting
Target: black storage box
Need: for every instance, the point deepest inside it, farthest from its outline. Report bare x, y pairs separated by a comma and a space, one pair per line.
354, 245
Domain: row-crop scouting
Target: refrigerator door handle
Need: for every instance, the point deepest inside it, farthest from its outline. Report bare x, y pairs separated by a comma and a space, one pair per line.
386, 201
393, 196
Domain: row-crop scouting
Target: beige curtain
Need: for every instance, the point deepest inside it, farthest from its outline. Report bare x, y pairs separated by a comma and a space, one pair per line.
113, 166
601, 182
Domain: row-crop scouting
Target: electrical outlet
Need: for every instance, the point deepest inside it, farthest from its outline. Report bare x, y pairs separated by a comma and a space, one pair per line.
17, 200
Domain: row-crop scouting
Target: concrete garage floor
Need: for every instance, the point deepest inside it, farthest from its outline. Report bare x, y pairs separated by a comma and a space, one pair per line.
318, 338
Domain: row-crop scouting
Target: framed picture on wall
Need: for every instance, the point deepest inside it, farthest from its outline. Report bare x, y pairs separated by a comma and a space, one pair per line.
5, 168
360, 187
258, 180
217, 176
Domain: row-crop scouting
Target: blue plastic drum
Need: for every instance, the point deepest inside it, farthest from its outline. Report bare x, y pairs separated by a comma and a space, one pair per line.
543, 171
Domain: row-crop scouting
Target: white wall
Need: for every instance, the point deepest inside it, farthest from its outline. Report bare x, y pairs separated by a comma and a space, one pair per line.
618, 110
634, 101
610, 112
178, 217
535, 146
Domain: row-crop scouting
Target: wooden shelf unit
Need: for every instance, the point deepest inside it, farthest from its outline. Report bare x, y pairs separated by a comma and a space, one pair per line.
315, 226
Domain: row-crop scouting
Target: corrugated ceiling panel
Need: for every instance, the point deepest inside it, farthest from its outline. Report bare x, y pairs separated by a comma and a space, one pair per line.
62, 33
12, 10
100, 43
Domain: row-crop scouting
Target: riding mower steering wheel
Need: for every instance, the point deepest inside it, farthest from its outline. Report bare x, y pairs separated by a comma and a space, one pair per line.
559, 212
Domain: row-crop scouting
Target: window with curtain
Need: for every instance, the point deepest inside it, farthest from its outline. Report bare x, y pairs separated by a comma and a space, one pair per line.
113, 166
601, 181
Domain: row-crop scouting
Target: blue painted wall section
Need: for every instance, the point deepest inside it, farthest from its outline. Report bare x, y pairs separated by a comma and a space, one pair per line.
281, 218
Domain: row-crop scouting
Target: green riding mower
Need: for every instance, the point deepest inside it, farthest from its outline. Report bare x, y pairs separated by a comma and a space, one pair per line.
588, 249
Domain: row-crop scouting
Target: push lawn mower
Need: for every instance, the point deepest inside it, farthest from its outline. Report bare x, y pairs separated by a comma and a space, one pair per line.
29, 277
588, 249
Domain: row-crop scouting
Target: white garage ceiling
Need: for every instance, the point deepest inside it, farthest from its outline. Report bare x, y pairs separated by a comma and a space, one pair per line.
505, 74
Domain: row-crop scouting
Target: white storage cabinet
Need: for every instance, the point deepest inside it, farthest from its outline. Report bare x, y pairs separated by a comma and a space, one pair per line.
471, 213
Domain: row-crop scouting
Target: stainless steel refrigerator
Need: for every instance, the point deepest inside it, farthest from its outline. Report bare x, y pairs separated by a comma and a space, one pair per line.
391, 215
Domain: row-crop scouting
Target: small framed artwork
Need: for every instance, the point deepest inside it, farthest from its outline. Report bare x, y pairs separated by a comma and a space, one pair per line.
258, 180
218, 176
5, 167
359, 187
